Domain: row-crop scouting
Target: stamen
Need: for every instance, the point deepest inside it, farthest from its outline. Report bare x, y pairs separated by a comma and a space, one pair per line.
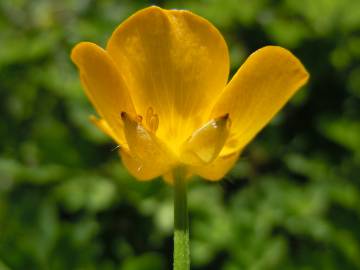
152, 120
154, 123
139, 118
124, 115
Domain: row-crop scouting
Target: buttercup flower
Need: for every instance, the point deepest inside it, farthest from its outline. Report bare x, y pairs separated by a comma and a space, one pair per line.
162, 93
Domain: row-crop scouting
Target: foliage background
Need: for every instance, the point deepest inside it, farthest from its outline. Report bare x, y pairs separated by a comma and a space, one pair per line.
291, 202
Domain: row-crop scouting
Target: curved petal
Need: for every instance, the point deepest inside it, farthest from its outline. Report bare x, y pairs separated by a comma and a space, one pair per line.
142, 170
262, 85
174, 62
218, 168
148, 157
205, 144
103, 126
103, 85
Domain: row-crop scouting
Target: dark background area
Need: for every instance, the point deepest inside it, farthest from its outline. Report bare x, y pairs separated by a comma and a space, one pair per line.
291, 202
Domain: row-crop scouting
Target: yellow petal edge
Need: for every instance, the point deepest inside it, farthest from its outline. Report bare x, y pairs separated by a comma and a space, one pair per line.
259, 89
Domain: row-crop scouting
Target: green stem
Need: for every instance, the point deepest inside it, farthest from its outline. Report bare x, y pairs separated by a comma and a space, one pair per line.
181, 222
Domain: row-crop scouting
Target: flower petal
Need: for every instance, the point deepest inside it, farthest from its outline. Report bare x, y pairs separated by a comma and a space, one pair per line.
174, 62
103, 85
169, 177
218, 168
141, 169
262, 85
148, 157
205, 144
103, 126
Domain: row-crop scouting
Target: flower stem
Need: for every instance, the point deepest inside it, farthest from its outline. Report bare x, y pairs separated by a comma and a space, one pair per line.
181, 222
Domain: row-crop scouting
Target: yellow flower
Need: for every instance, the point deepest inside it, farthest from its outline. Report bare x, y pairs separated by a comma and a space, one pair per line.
161, 88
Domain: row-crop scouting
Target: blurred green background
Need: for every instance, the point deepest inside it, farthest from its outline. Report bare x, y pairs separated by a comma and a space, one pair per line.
291, 202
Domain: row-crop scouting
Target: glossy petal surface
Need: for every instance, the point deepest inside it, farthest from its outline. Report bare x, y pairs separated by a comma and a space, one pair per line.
148, 156
141, 169
103, 85
174, 62
260, 88
205, 144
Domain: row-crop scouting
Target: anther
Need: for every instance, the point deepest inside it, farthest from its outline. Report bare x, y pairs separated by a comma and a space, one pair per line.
124, 116
152, 119
139, 118
154, 123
